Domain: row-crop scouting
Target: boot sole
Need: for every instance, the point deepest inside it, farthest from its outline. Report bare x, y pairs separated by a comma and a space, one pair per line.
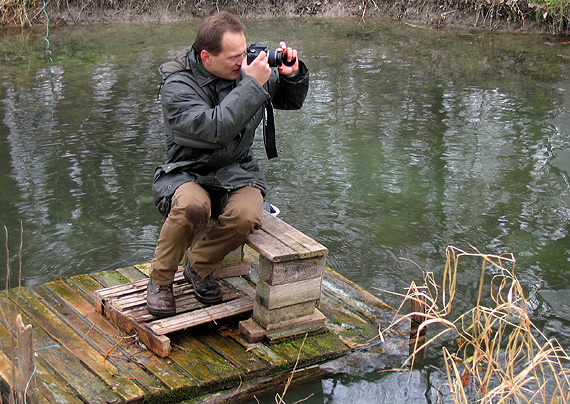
159, 313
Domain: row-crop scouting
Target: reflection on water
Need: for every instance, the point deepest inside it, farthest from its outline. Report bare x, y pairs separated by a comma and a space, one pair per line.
410, 140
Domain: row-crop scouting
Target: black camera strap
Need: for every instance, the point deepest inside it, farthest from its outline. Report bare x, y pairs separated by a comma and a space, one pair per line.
269, 131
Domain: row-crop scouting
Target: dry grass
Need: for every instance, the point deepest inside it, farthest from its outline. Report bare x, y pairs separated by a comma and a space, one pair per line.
500, 355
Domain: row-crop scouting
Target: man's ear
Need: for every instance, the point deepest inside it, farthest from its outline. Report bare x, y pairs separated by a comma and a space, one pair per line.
206, 57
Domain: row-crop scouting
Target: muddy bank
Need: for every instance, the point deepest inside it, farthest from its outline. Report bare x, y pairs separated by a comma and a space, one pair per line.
499, 15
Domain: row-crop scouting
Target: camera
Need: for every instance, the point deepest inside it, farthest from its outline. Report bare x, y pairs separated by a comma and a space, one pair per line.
275, 57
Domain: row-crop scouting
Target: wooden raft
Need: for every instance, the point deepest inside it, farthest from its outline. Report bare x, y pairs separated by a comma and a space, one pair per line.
288, 290
81, 357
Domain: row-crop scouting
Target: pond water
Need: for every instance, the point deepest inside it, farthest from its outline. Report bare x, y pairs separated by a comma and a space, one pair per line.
410, 140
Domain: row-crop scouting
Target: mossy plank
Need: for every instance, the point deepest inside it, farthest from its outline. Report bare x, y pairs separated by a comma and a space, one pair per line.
144, 268
261, 350
133, 274
110, 278
105, 343
234, 352
50, 389
157, 366
58, 361
318, 347
200, 361
92, 358
85, 285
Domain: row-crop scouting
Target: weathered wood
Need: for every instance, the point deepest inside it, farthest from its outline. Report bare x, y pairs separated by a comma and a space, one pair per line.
7, 375
49, 322
125, 306
274, 297
76, 379
279, 242
278, 273
91, 333
201, 316
266, 317
108, 338
201, 362
251, 331
27, 386
234, 353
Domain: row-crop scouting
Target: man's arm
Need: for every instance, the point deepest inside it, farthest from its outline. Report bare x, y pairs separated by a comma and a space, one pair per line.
195, 123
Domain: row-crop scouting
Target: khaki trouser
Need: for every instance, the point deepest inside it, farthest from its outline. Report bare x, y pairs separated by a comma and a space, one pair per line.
192, 207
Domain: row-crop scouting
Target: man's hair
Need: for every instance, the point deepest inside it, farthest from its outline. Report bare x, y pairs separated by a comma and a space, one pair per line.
210, 34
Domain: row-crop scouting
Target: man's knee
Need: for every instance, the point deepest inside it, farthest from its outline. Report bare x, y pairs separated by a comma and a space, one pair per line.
244, 219
191, 216
197, 216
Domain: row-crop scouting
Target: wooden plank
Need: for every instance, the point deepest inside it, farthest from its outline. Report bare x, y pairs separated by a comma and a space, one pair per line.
251, 331
278, 241
317, 347
132, 273
243, 286
7, 373
159, 344
185, 303
162, 370
306, 246
274, 297
93, 359
261, 350
278, 273
249, 362
270, 247
200, 361
207, 314
297, 323
110, 278
58, 361
85, 285
265, 317
95, 337
27, 385
50, 389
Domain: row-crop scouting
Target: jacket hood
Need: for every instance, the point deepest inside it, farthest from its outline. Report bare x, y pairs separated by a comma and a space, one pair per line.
180, 62
187, 59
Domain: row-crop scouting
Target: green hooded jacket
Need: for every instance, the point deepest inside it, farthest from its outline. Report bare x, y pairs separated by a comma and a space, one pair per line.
210, 125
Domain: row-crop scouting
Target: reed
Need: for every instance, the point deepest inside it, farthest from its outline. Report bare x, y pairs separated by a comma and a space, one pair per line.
499, 355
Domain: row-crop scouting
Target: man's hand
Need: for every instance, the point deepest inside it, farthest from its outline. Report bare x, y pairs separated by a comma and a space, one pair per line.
288, 54
259, 69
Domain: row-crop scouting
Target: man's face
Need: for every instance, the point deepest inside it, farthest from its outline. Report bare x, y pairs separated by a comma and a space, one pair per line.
227, 63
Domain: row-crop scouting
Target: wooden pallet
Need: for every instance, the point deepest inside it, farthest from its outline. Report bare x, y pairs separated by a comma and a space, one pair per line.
125, 305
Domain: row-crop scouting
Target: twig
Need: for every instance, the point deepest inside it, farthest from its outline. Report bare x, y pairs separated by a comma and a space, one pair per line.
290, 379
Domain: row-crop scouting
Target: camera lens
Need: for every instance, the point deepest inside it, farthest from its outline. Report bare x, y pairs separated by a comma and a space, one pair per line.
275, 58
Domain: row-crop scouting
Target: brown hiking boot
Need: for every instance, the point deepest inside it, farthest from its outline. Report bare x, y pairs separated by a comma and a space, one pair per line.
206, 290
160, 299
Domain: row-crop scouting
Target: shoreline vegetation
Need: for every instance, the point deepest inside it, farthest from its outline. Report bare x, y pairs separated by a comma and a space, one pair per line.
551, 17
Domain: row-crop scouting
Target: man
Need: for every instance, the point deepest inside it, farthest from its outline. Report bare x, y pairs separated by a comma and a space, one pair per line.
212, 102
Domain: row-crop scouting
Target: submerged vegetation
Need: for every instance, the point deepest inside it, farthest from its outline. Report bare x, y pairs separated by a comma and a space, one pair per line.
494, 353
546, 16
